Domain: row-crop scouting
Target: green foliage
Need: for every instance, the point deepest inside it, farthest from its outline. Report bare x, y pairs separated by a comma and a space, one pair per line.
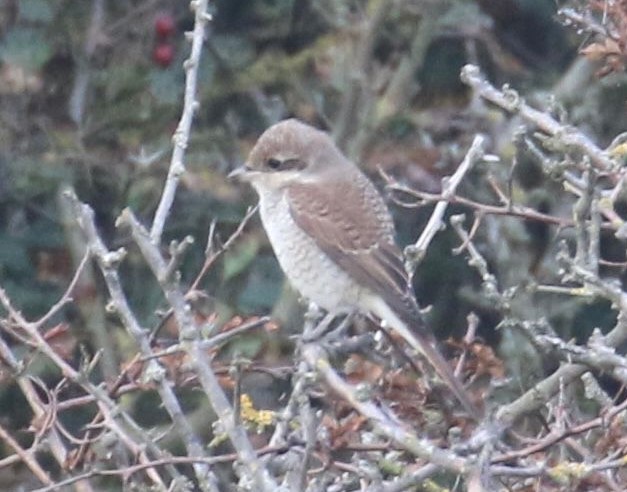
166, 85
234, 52
263, 286
15, 260
239, 258
32, 178
26, 47
36, 11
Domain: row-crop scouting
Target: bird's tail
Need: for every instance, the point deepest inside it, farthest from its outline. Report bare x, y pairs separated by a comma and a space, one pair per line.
422, 342
442, 367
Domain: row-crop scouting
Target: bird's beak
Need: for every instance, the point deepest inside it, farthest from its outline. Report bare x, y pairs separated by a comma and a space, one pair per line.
242, 172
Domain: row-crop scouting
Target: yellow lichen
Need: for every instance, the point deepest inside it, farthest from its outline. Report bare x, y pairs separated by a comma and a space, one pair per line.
251, 416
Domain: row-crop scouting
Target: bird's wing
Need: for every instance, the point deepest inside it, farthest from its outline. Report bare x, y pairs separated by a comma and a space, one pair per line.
351, 224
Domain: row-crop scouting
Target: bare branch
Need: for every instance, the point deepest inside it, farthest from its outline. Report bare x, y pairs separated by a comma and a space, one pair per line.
511, 101
182, 132
381, 417
208, 379
416, 252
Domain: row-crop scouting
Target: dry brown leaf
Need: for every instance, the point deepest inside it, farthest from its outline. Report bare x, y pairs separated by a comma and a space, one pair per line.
62, 341
359, 370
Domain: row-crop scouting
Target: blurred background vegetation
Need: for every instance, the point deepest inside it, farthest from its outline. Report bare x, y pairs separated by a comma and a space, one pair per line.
87, 101
90, 94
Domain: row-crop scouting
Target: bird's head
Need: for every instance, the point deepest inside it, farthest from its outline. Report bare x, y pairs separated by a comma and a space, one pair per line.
290, 151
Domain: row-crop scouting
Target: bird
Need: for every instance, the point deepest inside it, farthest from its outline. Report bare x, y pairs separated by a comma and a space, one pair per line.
334, 237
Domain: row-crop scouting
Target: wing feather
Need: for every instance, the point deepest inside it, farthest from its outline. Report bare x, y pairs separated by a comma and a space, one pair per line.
351, 224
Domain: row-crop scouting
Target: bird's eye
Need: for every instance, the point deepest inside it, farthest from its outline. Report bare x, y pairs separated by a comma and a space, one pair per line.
273, 163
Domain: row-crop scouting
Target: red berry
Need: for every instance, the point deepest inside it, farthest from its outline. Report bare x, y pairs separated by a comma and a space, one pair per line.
163, 54
164, 25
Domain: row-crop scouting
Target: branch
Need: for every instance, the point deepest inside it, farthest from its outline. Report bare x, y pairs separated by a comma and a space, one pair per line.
181, 135
108, 263
416, 252
108, 407
26, 457
509, 210
510, 101
554, 437
381, 417
212, 256
189, 335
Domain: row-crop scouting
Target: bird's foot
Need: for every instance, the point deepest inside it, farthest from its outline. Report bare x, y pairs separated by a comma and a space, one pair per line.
318, 327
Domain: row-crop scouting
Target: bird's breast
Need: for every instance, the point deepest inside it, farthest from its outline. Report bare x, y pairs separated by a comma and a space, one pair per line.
310, 271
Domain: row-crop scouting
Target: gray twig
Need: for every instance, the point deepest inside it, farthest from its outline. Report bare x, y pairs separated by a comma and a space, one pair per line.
182, 132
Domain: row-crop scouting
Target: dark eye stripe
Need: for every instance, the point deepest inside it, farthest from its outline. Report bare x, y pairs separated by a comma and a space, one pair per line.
293, 164
288, 164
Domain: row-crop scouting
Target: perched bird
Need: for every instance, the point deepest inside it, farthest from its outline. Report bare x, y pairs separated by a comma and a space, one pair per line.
333, 235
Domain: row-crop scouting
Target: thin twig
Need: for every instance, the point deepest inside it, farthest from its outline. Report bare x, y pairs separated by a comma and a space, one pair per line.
519, 211
382, 418
210, 260
66, 297
181, 135
511, 101
26, 456
555, 437
206, 376
416, 252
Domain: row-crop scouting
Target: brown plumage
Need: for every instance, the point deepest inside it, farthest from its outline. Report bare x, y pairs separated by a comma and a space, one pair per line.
357, 233
333, 235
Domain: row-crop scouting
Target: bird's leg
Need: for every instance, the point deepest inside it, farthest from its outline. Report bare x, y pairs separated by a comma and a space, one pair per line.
340, 330
317, 327
315, 323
